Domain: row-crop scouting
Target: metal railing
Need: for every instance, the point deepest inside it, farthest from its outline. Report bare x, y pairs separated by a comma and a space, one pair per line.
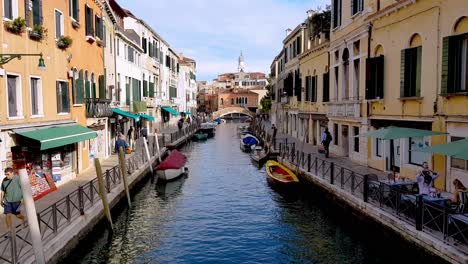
447, 224
97, 107
56, 217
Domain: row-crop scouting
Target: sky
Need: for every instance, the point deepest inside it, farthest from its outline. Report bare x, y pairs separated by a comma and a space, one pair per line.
214, 32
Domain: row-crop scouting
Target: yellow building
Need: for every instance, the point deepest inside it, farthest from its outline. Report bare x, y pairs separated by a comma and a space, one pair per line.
314, 66
418, 79
35, 102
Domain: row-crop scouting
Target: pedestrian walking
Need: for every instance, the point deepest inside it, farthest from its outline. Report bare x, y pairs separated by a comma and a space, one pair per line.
130, 135
120, 143
144, 133
275, 130
326, 140
11, 196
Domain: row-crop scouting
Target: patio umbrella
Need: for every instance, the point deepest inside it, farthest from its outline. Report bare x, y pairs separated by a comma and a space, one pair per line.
391, 132
456, 149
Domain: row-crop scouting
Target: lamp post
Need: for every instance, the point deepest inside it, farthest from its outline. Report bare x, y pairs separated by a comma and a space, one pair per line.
5, 58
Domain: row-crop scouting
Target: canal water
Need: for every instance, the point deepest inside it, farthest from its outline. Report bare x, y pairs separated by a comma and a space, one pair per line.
226, 212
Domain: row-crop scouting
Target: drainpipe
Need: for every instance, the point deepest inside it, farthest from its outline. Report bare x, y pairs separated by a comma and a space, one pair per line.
369, 39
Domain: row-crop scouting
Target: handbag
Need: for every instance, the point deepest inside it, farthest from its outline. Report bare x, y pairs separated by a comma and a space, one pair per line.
321, 149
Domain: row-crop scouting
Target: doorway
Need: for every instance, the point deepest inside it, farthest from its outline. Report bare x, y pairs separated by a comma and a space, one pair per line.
345, 141
395, 155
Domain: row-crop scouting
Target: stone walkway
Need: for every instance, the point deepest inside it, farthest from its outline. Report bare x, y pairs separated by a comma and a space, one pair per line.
341, 161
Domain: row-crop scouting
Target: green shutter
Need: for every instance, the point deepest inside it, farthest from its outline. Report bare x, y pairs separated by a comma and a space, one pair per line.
418, 71
145, 88
79, 88
151, 90
93, 90
102, 87
127, 93
445, 66
402, 73
87, 89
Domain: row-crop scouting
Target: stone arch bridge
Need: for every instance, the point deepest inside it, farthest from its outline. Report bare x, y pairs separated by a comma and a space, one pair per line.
233, 110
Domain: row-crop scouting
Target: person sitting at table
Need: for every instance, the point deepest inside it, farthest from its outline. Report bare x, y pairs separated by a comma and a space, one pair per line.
457, 186
425, 179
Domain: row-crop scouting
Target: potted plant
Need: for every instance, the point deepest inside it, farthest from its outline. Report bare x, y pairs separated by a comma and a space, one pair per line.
64, 42
38, 32
17, 26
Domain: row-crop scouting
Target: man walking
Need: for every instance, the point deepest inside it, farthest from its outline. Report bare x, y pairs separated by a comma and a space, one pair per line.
11, 196
326, 140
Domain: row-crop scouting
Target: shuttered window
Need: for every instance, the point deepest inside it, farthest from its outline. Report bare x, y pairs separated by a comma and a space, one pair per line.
455, 64
89, 21
63, 101
168, 61
8, 9
33, 13
99, 28
77, 88
127, 91
336, 17
144, 44
375, 78
307, 88
102, 87
58, 24
326, 87
313, 84
410, 72
356, 6
151, 90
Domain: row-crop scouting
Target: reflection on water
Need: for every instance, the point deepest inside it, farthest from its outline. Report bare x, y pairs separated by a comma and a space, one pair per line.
225, 212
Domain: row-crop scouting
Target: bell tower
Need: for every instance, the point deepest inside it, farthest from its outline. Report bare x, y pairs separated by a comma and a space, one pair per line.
241, 66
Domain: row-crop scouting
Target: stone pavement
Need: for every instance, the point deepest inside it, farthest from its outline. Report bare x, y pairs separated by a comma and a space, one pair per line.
341, 161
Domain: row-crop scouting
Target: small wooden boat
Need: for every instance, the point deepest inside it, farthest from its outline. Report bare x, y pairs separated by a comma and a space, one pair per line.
247, 141
259, 155
278, 173
208, 128
199, 136
172, 167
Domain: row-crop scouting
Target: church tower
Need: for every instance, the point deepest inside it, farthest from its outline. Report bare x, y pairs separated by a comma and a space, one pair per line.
241, 66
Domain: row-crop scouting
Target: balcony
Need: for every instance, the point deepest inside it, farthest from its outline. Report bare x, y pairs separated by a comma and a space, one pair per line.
139, 107
350, 109
96, 107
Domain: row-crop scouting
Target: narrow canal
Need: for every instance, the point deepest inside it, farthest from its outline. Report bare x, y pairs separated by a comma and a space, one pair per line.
225, 212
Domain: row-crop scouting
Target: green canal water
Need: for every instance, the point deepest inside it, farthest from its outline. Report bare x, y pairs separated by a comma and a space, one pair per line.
226, 212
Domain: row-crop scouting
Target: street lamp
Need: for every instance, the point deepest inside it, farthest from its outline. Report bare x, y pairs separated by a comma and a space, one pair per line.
5, 58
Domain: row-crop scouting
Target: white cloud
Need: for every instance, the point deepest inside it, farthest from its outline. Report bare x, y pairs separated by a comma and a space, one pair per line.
214, 32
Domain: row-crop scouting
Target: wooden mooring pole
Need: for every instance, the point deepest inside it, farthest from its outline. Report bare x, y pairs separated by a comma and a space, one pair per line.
123, 168
103, 193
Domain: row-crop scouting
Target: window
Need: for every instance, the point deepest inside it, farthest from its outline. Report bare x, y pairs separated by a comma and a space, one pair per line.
36, 96
58, 24
89, 21
144, 44
63, 102
326, 87
458, 163
99, 28
33, 13
335, 134
117, 47
10, 9
356, 6
410, 77
14, 96
131, 54
168, 61
417, 158
336, 13
375, 78
74, 10
313, 95
222, 101
307, 88
378, 147
356, 139
232, 101
455, 64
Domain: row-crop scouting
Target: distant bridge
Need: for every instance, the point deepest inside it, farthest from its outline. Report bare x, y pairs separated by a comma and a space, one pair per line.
232, 110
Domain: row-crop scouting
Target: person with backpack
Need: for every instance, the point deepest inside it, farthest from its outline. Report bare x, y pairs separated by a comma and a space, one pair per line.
326, 140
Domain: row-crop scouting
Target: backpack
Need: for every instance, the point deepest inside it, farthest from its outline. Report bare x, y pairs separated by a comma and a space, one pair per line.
329, 137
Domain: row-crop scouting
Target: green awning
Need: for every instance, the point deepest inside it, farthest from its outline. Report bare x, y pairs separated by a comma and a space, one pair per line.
456, 149
392, 132
126, 114
54, 137
147, 117
170, 110
187, 112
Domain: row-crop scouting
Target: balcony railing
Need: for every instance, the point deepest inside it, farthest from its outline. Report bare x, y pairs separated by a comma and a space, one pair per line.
96, 107
345, 108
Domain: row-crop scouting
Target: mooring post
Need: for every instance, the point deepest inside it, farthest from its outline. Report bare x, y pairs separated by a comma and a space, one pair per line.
148, 155
157, 146
102, 192
123, 168
31, 216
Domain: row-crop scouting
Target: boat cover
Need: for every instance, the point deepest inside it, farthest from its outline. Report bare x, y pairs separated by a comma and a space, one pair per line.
250, 140
175, 160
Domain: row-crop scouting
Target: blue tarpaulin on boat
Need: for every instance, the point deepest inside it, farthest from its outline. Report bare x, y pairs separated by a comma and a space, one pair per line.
250, 140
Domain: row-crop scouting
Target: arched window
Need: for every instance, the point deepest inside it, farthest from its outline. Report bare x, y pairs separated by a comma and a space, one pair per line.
222, 101
455, 67
93, 86
461, 26
232, 101
245, 101
415, 41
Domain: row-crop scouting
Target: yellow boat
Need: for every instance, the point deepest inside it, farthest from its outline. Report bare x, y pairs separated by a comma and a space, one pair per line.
279, 173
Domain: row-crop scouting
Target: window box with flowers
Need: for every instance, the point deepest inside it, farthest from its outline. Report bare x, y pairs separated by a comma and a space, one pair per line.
64, 42
16, 26
38, 32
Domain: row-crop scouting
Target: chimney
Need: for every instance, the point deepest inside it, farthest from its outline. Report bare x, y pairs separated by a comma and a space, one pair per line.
288, 31
310, 13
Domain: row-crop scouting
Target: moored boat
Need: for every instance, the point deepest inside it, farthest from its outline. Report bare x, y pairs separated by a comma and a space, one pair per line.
247, 141
259, 155
172, 167
199, 136
279, 174
208, 128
